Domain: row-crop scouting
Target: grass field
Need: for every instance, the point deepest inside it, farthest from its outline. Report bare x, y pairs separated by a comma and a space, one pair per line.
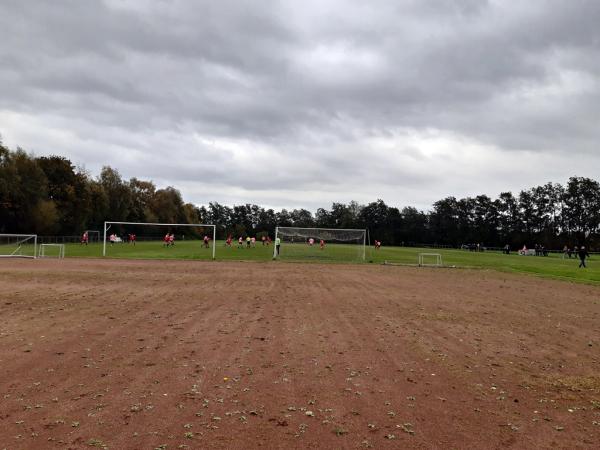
553, 266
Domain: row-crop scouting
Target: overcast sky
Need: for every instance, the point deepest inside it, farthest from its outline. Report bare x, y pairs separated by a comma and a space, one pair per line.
302, 103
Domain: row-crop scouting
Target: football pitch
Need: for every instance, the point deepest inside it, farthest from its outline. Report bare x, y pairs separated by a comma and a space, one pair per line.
552, 266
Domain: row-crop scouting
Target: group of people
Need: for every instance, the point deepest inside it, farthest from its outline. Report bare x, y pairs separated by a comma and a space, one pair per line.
580, 252
249, 241
311, 242
568, 252
169, 240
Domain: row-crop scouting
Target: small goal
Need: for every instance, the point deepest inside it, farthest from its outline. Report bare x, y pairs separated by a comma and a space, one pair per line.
18, 245
93, 236
52, 251
430, 260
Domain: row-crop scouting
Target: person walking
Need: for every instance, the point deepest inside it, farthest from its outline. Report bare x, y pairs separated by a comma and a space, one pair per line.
582, 255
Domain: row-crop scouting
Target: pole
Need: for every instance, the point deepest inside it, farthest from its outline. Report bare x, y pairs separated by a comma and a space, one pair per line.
275, 243
104, 241
214, 240
35, 247
364, 244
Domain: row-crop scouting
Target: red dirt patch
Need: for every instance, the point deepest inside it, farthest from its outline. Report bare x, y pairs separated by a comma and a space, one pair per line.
144, 354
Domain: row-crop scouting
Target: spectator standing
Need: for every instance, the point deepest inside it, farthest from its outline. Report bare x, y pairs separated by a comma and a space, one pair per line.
582, 255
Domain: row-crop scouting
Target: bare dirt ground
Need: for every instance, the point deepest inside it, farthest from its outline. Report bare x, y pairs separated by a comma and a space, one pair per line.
147, 355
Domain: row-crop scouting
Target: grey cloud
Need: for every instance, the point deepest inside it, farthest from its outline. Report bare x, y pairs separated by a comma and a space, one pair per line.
302, 88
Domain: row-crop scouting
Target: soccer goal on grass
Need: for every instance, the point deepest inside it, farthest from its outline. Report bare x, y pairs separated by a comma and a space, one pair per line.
93, 236
52, 251
320, 244
18, 245
430, 259
157, 240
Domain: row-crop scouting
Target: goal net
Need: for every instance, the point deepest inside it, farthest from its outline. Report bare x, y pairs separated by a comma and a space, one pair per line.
320, 244
18, 245
430, 260
52, 251
93, 236
159, 240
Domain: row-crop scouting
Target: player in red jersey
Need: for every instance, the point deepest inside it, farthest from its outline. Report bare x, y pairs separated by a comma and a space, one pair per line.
132, 238
85, 238
172, 239
206, 241
322, 244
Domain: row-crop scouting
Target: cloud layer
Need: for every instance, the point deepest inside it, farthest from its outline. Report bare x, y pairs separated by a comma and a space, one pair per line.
298, 104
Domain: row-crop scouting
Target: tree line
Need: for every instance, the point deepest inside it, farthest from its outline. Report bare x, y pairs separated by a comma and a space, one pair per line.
48, 195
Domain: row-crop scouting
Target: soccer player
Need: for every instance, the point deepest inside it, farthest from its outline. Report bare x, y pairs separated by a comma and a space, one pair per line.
322, 244
228, 241
241, 242
166, 240
112, 238
253, 242
85, 238
311, 242
205, 241
132, 238
172, 239
377, 245
263, 239
582, 255
268, 240
277, 245
248, 241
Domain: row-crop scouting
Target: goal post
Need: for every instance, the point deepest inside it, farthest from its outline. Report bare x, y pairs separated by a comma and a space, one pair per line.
92, 233
212, 230
335, 244
52, 251
18, 246
430, 260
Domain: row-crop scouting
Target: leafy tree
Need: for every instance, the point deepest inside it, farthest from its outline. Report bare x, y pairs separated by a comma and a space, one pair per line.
118, 193
582, 207
302, 218
142, 196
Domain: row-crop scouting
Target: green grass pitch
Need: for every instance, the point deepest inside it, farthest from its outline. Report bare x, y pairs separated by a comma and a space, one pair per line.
553, 266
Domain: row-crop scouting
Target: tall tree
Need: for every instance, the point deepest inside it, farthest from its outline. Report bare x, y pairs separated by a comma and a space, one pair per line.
582, 207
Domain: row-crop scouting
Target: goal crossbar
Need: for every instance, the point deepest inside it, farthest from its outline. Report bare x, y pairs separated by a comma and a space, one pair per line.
199, 225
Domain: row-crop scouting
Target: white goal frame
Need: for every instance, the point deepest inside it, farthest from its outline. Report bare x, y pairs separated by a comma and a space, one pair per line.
437, 256
93, 231
26, 237
214, 227
315, 229
61, 251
